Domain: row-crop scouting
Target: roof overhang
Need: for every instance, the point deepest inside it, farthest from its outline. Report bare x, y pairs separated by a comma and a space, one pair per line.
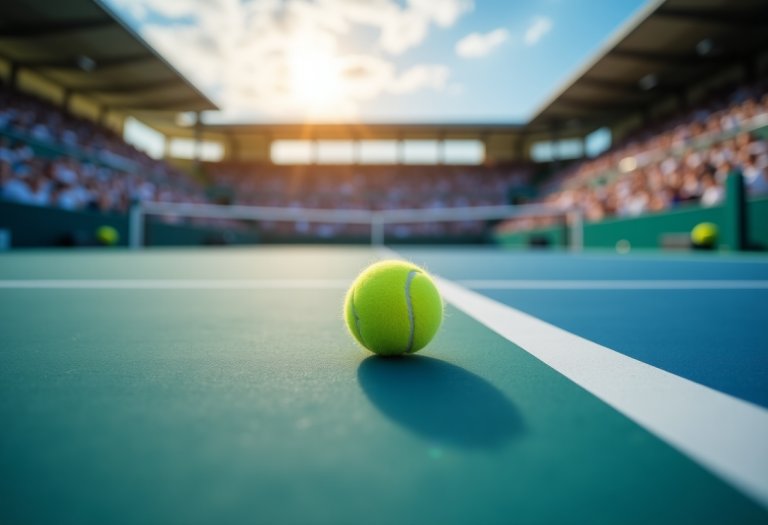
83, 47
667, 47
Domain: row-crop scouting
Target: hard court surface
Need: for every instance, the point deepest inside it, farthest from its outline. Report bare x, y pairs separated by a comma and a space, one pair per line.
220, 386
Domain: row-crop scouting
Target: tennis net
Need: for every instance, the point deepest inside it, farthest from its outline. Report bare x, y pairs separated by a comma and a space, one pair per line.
375, 220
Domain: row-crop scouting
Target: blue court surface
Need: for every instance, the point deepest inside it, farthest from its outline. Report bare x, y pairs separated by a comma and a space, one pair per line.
716, 336
199, 386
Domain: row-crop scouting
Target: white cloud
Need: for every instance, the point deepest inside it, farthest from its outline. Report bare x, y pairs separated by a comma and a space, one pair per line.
540, 27
476, 45
400, 28
443, 12
455, 89
282, 58
420, 77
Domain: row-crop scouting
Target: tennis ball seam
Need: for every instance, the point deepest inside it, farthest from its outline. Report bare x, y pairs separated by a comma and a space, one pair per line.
411, 274
357, 319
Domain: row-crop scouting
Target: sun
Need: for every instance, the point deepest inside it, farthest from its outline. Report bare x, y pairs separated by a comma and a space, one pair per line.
315, 77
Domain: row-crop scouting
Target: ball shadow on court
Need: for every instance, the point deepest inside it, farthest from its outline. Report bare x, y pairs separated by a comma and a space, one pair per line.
439, 401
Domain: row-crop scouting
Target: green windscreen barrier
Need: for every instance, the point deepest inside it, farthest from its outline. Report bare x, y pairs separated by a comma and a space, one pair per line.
647, 231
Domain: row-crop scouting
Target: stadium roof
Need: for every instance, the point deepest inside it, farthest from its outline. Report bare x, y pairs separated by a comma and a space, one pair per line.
351, 131
81, 46
664, 50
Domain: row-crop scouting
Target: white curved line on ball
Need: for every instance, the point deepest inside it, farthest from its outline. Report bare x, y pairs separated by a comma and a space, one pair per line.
410, 308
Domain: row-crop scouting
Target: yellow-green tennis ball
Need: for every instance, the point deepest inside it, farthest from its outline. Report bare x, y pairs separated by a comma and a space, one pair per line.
107, 235
704, 234
393, 307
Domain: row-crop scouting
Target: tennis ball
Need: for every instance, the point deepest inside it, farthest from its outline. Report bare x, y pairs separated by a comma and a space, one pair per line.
704, 234
107, 235
393, 307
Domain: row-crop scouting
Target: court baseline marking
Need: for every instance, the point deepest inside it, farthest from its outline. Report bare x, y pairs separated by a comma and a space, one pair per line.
334, 284
724, 434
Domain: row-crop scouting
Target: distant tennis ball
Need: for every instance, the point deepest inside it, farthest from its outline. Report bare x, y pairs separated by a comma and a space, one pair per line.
704, 234
393, 307
107, 235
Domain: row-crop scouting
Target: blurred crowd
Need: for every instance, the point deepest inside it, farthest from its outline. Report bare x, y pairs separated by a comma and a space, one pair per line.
372, 188
50, 158
681, 161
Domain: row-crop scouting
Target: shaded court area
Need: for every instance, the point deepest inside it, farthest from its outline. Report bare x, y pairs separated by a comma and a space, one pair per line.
191, 386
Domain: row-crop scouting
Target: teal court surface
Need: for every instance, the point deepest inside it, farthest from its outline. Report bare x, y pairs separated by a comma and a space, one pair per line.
220, 386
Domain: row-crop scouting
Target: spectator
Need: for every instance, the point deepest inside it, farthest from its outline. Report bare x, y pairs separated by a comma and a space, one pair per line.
713, 194
755, 175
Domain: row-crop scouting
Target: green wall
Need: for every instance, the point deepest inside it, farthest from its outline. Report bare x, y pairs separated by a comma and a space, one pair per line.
554, 236
647, 231
34, 226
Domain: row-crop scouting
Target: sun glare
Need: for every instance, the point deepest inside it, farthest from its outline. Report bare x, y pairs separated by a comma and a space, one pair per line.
315, 78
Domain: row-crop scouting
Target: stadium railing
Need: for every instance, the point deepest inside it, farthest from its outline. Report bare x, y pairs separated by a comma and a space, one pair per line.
377, 219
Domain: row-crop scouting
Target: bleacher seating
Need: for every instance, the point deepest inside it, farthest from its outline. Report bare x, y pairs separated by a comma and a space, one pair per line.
49, 157
681, 161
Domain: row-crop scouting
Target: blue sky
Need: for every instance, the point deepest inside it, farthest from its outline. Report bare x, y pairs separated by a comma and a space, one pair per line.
376, 60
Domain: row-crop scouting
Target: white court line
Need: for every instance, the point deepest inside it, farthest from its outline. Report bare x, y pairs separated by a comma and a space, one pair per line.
180, 284
726, 435
479, 284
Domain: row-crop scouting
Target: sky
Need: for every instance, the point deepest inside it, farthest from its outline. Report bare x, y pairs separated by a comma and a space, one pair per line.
426, 61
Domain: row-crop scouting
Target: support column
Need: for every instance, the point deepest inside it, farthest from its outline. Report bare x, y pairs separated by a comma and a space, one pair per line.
136, 227
377, 229
735, 224
576, 233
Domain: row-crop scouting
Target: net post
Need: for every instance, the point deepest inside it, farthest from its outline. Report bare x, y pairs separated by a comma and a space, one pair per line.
577, 230
136, 227
377, 229
735, 213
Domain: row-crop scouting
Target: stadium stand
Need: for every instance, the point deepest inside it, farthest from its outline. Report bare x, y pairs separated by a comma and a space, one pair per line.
684, 111
682, 161
48, 157
72, 73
